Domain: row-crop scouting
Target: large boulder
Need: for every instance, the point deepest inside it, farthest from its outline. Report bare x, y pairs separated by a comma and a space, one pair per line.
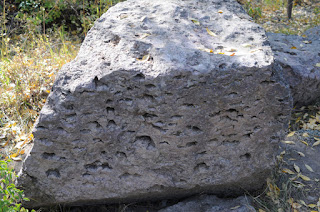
299, 56
166, 99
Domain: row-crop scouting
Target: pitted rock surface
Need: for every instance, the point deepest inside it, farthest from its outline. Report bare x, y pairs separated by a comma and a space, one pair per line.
143, 113
299, 56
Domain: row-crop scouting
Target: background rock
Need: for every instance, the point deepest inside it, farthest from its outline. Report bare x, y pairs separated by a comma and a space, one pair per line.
298, 57
146, 112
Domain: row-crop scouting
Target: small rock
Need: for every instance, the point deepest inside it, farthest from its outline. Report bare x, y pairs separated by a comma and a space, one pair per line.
209, 203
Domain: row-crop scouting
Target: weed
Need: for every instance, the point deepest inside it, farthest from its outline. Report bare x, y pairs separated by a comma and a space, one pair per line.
10, 195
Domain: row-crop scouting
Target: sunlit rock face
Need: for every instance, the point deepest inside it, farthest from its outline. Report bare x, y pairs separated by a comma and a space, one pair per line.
166, 99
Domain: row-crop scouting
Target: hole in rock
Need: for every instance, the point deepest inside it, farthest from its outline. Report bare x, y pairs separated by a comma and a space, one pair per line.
178, 77
280, 100
97, 140
148, 97
246, 156
222, 66
71, 117
121, 155
230, 142
48, 156
256, 129
227, 118
111, 124
172, 124
106, 166
213, 140
86, 175
108, 101
214, 114
265, 82
149, 115
45, 142
96, 81
91, 167
176, 117
248, 135
145, 141
201, 167
78, 150
94, 124
68, 107
114, 40
110, 110
177, 133
127, 175
159, 128
232, 94
85, 131
189, 105
201, 154
126, 101
106, 64
232, 110
157, 187
191, 144
149, 86
139, 76
53, 173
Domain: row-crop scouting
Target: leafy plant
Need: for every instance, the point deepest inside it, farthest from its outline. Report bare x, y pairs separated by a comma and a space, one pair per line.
10, 195
253, 11
75, 15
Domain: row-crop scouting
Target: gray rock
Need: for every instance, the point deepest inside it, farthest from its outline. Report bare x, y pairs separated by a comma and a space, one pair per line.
120, 126
313, 33
298, 57
209, 203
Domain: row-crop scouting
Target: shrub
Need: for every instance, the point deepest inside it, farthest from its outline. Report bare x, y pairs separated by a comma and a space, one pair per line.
9, 194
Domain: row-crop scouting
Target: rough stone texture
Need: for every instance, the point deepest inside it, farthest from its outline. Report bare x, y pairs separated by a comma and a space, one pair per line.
209, 203
185, 121
298, 56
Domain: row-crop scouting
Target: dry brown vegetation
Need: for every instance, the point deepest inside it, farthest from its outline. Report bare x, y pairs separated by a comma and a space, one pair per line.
36, 45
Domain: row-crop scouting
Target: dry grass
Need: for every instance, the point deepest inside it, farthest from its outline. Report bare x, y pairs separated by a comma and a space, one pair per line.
29, 63
27, 69
272, 15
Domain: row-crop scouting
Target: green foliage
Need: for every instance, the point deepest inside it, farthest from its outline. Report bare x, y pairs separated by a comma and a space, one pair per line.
252, 10
10, 195
74, 15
